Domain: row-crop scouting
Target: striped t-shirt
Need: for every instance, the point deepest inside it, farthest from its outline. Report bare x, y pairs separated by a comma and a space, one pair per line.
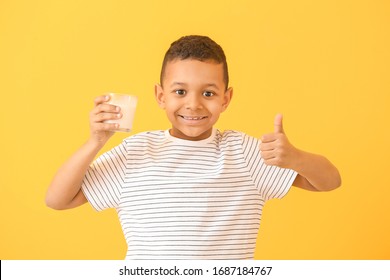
180, 199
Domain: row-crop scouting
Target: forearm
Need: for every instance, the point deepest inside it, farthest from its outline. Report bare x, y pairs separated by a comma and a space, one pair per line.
66, 184
315, 172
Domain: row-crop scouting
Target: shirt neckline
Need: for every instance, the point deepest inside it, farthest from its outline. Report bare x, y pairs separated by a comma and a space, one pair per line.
203, 142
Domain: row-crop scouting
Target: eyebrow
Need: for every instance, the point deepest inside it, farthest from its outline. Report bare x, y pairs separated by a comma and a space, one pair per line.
184, 84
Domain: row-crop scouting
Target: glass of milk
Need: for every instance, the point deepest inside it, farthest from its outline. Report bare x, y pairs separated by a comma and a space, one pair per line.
128, 104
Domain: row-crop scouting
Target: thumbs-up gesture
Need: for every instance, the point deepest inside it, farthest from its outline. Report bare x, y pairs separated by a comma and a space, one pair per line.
275, 147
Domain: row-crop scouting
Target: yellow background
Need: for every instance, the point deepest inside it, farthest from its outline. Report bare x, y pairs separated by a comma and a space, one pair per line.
323, 64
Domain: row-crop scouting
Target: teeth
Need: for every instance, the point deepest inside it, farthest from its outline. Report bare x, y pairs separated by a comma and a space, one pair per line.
192, 118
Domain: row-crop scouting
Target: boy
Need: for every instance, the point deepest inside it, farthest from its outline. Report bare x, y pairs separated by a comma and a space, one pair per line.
190, 192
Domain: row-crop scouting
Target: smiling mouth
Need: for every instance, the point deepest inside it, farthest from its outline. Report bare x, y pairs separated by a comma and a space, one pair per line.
193, 118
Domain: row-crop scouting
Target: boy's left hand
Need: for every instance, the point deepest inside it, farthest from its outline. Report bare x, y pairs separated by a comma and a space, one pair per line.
276, 149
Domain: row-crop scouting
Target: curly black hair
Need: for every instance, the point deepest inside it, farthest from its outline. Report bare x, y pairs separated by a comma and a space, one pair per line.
197, 47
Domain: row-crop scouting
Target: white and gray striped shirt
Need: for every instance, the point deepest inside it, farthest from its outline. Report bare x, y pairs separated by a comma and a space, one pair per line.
179, 199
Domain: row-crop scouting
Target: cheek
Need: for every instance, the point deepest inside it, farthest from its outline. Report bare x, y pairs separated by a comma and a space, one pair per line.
216, 108
172, 107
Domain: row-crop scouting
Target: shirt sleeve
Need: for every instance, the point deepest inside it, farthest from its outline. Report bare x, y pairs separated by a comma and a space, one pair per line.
104, 179
271, 181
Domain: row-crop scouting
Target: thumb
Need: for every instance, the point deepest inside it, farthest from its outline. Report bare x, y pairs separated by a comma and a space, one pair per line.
278, 124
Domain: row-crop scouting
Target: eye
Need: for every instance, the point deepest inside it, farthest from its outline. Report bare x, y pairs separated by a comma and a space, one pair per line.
208, 94
180, 92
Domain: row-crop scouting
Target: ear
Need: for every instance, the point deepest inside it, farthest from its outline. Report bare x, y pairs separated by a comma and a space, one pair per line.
227, 98
159, 95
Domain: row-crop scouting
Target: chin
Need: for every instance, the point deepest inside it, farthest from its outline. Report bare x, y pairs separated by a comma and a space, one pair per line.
190, 134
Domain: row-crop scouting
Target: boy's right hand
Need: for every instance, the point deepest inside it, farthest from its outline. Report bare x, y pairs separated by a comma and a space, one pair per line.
100, 131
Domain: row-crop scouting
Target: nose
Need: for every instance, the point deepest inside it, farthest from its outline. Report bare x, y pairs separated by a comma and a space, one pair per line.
193, 102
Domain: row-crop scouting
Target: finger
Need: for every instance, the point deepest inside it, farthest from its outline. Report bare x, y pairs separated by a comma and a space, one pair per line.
106, 108
101, 99
106, 116
269, 137
272, 161
105, 126
278, 124
267, 155
267, 146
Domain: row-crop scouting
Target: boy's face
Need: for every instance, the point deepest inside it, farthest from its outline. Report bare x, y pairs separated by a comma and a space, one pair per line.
193, 94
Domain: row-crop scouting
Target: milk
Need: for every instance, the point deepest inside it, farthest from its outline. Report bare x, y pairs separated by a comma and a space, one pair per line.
127, 103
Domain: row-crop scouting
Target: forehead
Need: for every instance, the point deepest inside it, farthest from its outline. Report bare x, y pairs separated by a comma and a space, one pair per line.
191, 71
